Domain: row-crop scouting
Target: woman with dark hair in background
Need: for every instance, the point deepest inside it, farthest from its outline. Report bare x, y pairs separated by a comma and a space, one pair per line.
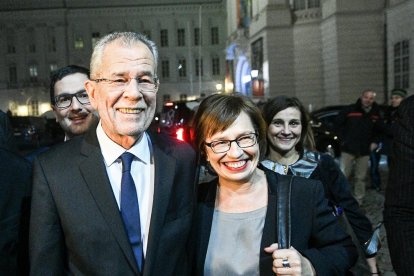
291, 151
236, 219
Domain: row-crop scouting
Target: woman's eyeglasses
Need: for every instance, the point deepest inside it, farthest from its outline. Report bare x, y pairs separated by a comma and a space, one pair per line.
222, 146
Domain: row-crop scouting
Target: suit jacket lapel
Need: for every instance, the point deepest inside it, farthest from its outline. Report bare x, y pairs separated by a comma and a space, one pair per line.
94, 172
163, 181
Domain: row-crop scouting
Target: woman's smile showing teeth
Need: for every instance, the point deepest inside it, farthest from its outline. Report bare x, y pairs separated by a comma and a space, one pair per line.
236, 165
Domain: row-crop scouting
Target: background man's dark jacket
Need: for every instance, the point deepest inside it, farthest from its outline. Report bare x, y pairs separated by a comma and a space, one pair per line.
357, 128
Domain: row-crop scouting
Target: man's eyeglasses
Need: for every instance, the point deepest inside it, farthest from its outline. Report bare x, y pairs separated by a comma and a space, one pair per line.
65, 100
144, 85
223, 146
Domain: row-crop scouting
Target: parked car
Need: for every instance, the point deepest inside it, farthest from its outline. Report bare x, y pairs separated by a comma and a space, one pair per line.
323, 126
175, 119
32, 132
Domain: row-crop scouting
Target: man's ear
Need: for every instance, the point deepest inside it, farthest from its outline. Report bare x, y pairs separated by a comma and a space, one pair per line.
54, 112
91, 89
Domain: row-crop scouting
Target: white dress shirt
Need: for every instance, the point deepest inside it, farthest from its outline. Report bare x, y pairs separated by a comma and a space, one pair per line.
142, 169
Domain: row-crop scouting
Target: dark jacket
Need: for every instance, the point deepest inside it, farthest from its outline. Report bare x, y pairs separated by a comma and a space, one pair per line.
15, 181
322, 167
315, 232
400, 189
357, 129
386, 128
76, 227
6, 133
338, 193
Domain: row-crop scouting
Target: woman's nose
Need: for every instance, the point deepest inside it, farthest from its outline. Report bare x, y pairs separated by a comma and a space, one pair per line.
235, 150
286, 129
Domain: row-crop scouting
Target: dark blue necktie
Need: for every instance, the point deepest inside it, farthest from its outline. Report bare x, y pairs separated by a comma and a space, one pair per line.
130, 209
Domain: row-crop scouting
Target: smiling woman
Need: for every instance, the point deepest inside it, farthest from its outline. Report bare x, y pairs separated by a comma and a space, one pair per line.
290, 152
235, 228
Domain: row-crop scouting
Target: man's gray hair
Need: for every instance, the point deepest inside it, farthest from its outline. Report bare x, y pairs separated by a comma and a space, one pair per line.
127, 39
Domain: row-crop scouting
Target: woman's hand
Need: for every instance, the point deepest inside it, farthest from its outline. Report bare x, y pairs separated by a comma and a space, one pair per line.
289, 261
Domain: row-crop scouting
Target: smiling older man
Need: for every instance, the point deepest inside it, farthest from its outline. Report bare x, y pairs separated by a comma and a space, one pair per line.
119, 200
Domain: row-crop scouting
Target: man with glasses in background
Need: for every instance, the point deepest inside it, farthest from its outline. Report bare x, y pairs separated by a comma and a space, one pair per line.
119, 200
70, 101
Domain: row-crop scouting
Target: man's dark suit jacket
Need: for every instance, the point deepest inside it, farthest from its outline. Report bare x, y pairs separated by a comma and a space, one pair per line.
15, 180
76, 227
315, 232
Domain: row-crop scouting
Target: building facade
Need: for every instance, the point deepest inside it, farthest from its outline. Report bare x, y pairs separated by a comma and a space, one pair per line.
324, 52
40, 36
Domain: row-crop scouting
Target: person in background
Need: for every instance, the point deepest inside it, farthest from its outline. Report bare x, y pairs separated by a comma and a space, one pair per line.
15, 184
117, 200
399, 193
356, 125
6, 133
397, 96
70, 104
291, 151
70, 101
236, 227
385, 128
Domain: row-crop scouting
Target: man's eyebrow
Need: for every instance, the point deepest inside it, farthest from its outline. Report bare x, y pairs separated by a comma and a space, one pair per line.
148, 73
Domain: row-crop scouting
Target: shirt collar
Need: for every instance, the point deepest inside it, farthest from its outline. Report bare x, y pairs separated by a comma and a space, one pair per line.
111, 150
304, 167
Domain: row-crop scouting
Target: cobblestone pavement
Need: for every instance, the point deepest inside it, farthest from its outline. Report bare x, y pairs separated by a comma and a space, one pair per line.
373, 204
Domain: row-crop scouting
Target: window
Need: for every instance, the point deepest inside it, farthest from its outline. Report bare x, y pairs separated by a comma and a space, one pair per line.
10, 48
197, 37
51, 46
32, 47
147, 33
30, 38
165, 68
51, 43
11, 43
53, 67
164, 38
246, 13
402, 64
199, 67
33, 73
299, 5
79, 43
214, 36
34, 107
257, 54
215, 65
180, 37
12, 76
182, 68
313, 4
95, 38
